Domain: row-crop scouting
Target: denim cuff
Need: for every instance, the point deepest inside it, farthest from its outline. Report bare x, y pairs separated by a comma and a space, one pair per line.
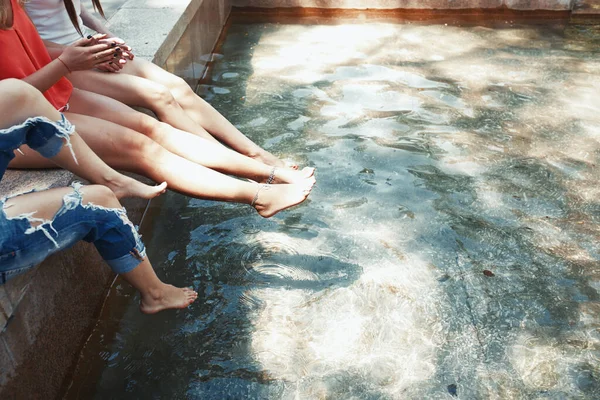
128, 262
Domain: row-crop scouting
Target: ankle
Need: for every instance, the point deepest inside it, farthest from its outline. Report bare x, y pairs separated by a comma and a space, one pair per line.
111, 180
154, 294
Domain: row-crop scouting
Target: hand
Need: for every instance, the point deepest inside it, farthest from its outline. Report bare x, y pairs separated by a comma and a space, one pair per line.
127, 52
110, 66
86, 54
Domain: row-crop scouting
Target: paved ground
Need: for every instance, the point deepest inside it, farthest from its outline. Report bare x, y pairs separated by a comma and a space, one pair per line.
110, 6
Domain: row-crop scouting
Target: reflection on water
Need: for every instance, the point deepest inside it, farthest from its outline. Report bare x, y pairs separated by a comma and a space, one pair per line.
449, 249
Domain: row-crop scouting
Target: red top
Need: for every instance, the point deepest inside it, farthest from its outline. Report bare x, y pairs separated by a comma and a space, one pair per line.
22, 52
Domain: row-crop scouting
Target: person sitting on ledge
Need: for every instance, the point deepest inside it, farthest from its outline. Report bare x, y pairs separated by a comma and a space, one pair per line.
129, 140
37, 224
140, 82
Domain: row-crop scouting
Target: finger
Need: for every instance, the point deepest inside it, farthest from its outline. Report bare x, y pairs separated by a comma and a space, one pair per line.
108, 54
114, 66
96, 48
112, 41
116, 40
99, 36
94, 39
84, 41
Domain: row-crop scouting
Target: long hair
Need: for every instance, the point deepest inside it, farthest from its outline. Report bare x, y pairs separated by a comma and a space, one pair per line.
73, 14
5, 12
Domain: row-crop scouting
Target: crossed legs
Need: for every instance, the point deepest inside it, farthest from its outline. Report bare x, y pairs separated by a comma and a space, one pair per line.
128, 150
43, 206
191, 147
142, 83
20, 101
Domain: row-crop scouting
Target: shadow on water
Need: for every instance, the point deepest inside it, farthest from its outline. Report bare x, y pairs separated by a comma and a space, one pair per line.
449, 249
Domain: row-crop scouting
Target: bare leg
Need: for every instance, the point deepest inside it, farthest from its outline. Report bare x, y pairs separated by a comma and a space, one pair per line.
156, 295
20, 101
141, 92
182, 143
128, 150
201, 112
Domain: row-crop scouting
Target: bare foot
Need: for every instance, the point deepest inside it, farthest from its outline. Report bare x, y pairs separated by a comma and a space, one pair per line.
269, 159
167, 297
285, 175
274, 198
129, 187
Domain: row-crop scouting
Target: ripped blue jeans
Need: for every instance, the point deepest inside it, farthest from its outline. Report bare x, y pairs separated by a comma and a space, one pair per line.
25, 240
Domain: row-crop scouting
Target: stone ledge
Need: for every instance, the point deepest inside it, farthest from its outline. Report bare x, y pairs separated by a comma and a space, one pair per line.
517, 5
155, 41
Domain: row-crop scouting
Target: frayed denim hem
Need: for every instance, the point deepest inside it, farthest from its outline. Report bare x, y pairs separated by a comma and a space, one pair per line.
39, 133
113, 234
46, 143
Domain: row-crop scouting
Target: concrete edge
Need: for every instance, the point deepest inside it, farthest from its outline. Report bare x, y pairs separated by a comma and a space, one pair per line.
157, 42
515, 5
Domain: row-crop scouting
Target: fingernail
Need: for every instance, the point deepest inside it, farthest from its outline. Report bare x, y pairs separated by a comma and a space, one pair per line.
113, 44
118, 49
110, 62
116, 55
89, 36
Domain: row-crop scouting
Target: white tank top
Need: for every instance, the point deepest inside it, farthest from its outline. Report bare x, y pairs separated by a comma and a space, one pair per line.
52, 20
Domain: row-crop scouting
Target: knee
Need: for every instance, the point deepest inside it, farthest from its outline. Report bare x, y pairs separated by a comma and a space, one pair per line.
144, 151
153, 128
180, 87
161, 97
100, 196
17, 91
178, 83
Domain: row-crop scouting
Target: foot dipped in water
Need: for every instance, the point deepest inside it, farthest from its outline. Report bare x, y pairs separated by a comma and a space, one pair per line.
165, 298
286, 175
125, 186
270, 199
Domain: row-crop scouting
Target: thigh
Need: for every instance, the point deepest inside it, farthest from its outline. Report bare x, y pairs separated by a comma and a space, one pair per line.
114, 144
43, 204
27, 158
148, 70
128, 89
37, 224
19, 101
102, 107
27, 237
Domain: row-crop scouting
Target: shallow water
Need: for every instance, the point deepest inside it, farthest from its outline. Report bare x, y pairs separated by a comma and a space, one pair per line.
449, 249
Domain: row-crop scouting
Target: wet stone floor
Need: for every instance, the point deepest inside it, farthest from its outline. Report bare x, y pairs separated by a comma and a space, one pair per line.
449, 250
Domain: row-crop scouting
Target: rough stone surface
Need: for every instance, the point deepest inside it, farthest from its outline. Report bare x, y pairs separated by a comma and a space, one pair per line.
157, 40
54, 316
194, 50
21, 181
412, 4
62, 306
586, 7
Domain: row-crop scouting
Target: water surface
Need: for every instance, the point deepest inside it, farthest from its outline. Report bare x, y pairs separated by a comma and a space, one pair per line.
450, 248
